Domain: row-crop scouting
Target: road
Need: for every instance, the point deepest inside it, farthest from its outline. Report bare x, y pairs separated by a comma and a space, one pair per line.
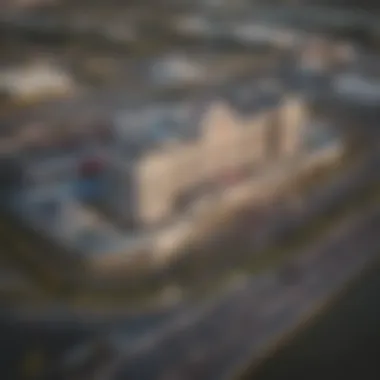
55, 336
240, 326
136, 322
57, 332
18, 340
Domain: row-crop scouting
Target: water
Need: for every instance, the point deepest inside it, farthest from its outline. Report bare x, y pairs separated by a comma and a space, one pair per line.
343, 343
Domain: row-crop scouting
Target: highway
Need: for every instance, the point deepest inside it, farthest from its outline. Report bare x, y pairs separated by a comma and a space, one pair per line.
241, 325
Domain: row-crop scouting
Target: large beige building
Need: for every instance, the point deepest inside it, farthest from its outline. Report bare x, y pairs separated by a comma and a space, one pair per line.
159, 183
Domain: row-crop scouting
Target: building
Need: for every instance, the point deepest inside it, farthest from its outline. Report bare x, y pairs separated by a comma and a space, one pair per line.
161, 181
155, 165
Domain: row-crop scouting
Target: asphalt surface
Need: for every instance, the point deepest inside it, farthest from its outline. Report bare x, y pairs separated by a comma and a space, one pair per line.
57, 333
133, 323
239, 327
18, 340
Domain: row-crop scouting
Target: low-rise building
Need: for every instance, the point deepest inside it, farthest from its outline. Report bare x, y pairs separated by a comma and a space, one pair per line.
163, 179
